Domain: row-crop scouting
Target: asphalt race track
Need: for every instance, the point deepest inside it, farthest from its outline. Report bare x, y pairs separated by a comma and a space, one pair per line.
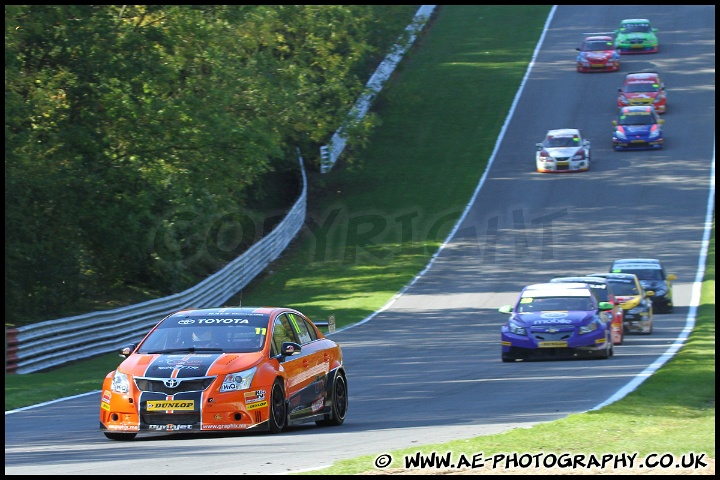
427, 368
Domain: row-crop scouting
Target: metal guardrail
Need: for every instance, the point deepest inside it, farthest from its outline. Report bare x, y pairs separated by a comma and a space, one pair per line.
40, 346
330, 153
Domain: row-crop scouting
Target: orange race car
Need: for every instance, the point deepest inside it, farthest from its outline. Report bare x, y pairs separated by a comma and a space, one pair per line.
226, 369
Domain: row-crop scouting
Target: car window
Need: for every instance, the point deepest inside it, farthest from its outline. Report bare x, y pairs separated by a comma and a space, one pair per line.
282, 332
636, 118
600, 291
241, 338
625, 288
643, 273
554, 142
301, 328
636, 27
595, 46
540, 304
638, 87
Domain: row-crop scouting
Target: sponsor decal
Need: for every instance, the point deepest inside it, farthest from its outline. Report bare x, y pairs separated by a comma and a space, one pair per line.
105, 406
158, 405
229, 426
552, 318
106, 396
234, 321
254, 396
318, 404
319, 369
123, 428
179, 367
552, 344
255, 406
169, 427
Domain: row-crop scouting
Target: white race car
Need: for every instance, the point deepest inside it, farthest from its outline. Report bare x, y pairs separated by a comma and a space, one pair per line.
563, 150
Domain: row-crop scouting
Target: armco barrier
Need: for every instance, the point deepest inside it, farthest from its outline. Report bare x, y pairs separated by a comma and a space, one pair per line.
330, 153
40, 346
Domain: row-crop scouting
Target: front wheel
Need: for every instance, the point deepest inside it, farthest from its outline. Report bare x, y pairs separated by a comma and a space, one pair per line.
278, 412
339, 404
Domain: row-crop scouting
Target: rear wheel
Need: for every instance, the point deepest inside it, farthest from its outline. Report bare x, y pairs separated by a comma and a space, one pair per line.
339, 404
278, 411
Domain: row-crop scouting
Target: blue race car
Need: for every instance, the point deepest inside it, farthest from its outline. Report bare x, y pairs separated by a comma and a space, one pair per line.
638, 128
556, 320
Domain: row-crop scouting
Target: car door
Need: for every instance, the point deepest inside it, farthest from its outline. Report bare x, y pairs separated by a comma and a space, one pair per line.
306, 370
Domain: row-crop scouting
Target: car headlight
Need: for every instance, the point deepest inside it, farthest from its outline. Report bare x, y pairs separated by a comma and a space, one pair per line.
517, 329
620, 134
238, 381
654, 133
120, 383
590, 327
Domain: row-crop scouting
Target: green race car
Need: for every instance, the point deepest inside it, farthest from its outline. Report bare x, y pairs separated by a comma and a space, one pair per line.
636, 35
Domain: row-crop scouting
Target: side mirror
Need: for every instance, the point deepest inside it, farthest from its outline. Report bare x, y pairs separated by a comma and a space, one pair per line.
670, 277
661, 121
620, 90
650, 293
127, 350
290, 348
577, 48
604, 306
614, 123
539, 146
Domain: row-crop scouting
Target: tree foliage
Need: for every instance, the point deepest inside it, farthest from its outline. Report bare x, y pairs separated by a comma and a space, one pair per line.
141, 141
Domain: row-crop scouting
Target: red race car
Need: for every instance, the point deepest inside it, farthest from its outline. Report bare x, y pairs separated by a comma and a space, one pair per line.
598, 54
643, 88
223, 370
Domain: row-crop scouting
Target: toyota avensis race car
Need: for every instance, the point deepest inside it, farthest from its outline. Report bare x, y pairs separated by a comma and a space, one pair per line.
634, 299
652, 276
563, 150
637, 128
604, 292
645, 88
597, 54
556, 320
226, 369
636, 35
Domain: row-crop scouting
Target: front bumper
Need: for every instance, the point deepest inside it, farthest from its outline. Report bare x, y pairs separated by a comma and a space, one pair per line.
637, 144
529, 347
562, 166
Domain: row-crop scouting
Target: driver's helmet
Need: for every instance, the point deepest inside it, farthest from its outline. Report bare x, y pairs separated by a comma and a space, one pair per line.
203, 338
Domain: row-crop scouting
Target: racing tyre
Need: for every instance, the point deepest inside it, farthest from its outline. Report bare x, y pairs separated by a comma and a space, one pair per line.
278, 410
507, 359
124, 437
339, 404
